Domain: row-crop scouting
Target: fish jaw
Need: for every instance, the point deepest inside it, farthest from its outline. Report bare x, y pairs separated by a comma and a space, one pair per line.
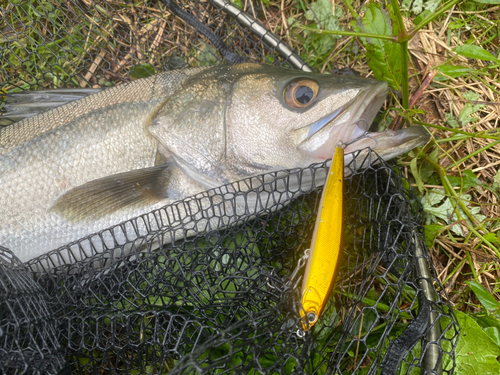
345, 124
390, 144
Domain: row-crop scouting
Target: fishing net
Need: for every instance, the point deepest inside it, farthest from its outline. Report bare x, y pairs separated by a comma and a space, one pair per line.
217, 291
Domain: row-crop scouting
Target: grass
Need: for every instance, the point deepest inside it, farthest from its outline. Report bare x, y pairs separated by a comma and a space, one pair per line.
456, 173
451, 53
460, 107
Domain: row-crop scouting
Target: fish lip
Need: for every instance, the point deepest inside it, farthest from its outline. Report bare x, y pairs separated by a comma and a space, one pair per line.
361, 112
391, 143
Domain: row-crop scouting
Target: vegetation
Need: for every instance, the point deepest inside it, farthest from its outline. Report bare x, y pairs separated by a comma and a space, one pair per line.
442, 61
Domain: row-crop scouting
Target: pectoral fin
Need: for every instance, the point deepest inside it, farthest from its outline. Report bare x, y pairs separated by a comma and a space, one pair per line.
141, 187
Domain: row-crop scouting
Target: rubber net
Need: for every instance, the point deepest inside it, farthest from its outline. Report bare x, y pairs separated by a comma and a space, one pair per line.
211, 284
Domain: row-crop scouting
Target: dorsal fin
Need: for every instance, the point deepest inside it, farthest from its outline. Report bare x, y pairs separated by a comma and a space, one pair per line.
22, 105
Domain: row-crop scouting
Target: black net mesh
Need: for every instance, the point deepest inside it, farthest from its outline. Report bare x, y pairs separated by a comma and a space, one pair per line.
28, 336
216, 292
224, 301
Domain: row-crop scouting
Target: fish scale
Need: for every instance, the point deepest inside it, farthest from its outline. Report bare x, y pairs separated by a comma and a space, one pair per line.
66, 147
160, 85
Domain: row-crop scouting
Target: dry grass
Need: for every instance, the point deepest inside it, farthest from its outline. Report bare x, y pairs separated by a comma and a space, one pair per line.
457, 258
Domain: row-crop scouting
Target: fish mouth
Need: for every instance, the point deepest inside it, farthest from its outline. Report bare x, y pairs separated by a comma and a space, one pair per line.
349, 124
345, 123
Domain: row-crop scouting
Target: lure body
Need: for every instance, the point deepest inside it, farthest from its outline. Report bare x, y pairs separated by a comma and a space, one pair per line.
326, 243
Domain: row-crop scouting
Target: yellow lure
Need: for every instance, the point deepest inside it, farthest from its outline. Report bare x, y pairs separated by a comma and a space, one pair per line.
326, 243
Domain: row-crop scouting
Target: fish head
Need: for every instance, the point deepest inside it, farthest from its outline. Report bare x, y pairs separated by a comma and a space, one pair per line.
227, 123
290, 119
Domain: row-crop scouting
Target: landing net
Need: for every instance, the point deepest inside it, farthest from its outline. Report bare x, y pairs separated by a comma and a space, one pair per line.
217, 292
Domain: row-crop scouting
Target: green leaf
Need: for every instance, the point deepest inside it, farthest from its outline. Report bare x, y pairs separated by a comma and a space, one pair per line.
237, 3
437, 206
486, 321
469, 108
453, 71
321, 12
474, 52
488, 1
421, 17
467, 111
476, 352
384, 56
427, 170
487, 300
491, 237
494, 334
466, 181
496, 179
431, 232
417, 6
431, 5
451, 120
142, 71
416, 175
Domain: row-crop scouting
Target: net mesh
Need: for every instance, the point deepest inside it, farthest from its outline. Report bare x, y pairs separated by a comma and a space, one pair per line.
218, 292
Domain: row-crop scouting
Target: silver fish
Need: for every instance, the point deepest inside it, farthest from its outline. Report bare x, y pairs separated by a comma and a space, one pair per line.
125, 151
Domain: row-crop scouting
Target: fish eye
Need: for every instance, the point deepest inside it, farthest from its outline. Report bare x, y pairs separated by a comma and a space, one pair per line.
300, 94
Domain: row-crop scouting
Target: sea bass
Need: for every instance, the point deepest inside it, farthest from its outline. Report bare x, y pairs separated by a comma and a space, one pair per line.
114, 155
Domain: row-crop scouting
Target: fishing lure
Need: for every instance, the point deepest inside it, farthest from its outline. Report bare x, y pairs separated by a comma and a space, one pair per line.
326, 243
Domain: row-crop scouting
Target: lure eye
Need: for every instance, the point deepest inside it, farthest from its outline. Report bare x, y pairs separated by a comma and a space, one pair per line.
300, 94
312, 317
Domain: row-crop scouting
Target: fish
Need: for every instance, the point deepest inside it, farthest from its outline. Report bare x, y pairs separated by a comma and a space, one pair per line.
133, 148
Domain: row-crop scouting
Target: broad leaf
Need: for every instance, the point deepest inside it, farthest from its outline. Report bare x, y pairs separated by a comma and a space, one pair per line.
492, 237
467, 111
384, 56
487, 300
427, 170
437, 206
486, 321
466, 181
488, 1
469, 108
453, 71
476, 352
417, 6
321, 12
451, 120
494, 334
474, 52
